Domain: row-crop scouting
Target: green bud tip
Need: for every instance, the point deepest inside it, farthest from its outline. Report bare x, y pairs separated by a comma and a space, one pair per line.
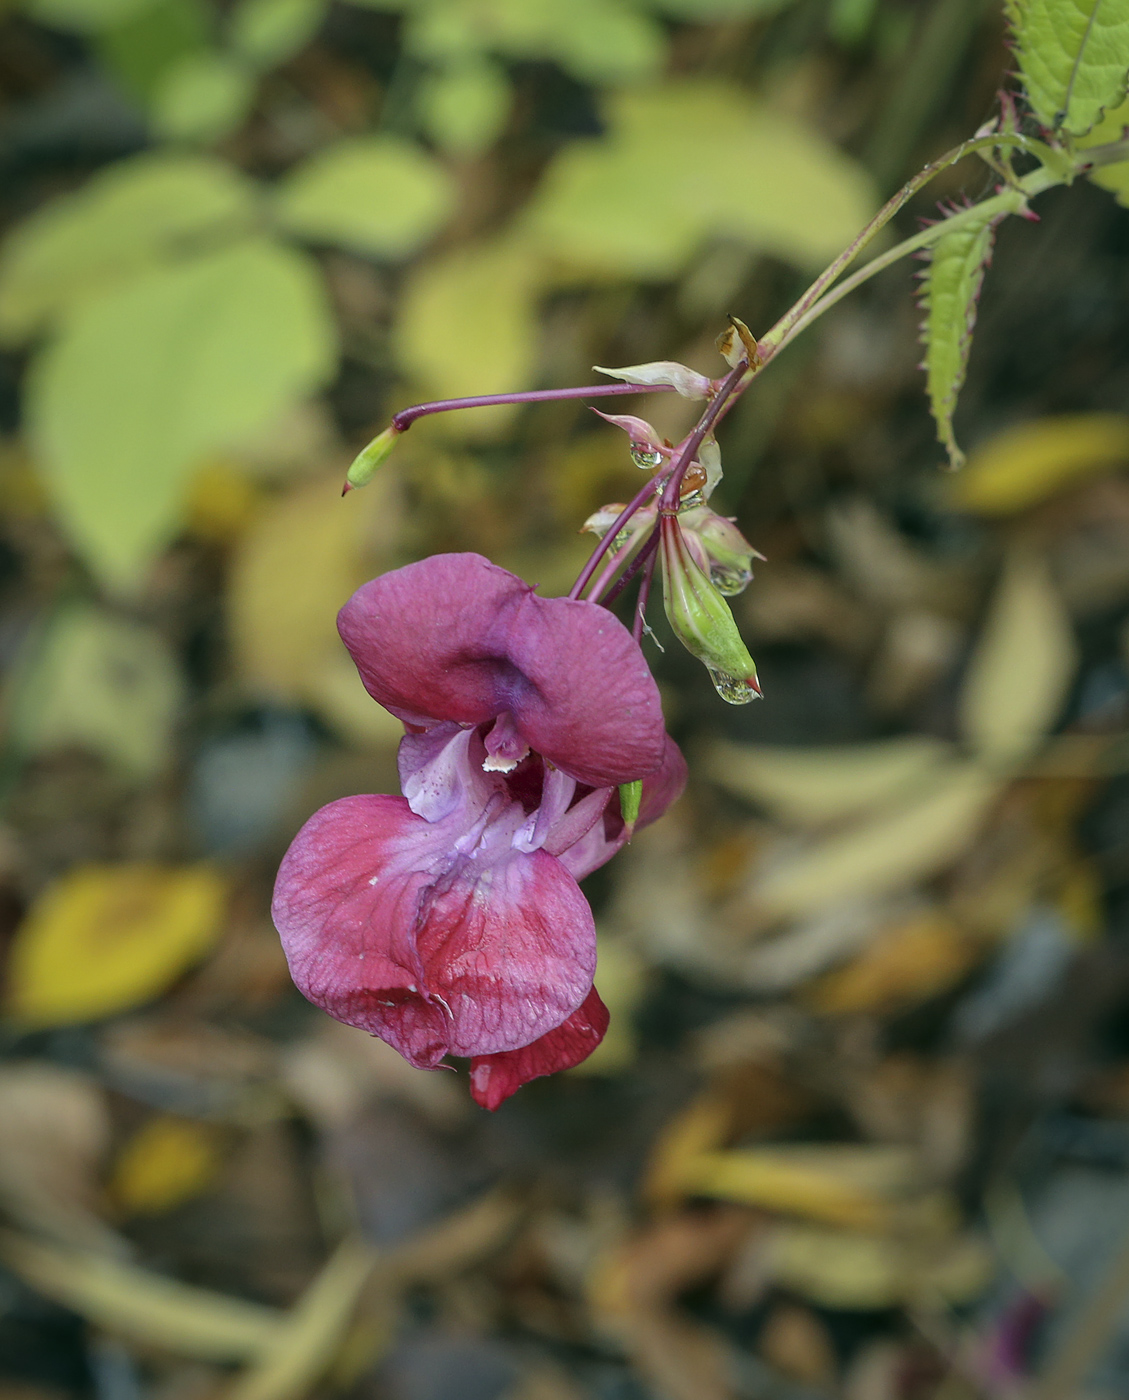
630, 796
370, 459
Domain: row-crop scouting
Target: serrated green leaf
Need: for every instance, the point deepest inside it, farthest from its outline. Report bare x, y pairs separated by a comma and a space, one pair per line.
464, 107
147, 379
139, 212
1073, 57
268, 32
84, 16
1109, 129
203, 97
380, 195
950, 288
691, 160
100, 682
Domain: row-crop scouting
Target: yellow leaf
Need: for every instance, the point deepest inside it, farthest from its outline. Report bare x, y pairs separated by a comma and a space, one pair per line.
850, 1269
905, 964
903, 842
1027, 464
468, 325
313, 1329
165, 1163
1022, 665
294, 568
1111, 128
107, 937
817, 785
700, 1128
845, 1185
143, 1306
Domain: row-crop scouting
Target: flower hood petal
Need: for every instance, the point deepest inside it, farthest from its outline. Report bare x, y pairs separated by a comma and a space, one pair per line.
454, 637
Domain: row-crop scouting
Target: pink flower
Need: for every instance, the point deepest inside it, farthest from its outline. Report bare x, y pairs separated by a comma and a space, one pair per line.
449, 920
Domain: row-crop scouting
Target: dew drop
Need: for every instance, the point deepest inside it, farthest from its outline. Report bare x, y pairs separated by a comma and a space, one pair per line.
645, 457
688, 502
732, 689
729, 581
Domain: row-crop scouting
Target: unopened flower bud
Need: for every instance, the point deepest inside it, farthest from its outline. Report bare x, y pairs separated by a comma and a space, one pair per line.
701, 620
367, 462
630, 798
738, 345
729, 553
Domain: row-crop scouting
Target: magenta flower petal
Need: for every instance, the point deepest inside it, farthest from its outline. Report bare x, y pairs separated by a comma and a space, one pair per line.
387, 927
493, 1078
454, 637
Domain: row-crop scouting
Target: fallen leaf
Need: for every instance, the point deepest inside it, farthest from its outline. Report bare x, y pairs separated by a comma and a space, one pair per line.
144, 1306
1034, 461
166, 1162
1022, 666
853, 1269
813, 786
835, 1183
796, 1343
305, 1345
56, 1134
901, 842
104, 938
906, 963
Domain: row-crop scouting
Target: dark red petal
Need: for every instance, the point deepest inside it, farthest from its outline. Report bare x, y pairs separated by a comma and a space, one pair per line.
493, 1078
387, 928
456, 638
662, 788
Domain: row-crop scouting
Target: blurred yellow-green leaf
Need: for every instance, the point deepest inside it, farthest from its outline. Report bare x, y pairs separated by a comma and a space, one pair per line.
380, 195
99, 682
468, 326
1029, 463
1023, 664
203, 97
105, 938
295, 567
166, 1162
267, 32
904, 841
140, 49
812, 786
85, 16
705, 11
463, 106
147, 380
690, 160
150, 209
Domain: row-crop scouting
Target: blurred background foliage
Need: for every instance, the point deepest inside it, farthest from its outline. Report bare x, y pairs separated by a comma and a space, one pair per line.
861, 1126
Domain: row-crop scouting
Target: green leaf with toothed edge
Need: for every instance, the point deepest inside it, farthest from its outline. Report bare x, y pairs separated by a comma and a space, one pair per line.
1073, 58
950, 288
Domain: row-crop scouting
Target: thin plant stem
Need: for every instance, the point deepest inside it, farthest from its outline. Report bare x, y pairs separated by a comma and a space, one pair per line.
688, 450
639, 499
407, 416
650, 546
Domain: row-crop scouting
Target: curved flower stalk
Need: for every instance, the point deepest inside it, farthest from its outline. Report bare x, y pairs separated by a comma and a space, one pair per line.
449, 920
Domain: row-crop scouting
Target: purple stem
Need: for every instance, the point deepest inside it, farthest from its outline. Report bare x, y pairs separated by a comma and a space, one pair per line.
639, 499
407, 416
640, 620
648, 551
671, 493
